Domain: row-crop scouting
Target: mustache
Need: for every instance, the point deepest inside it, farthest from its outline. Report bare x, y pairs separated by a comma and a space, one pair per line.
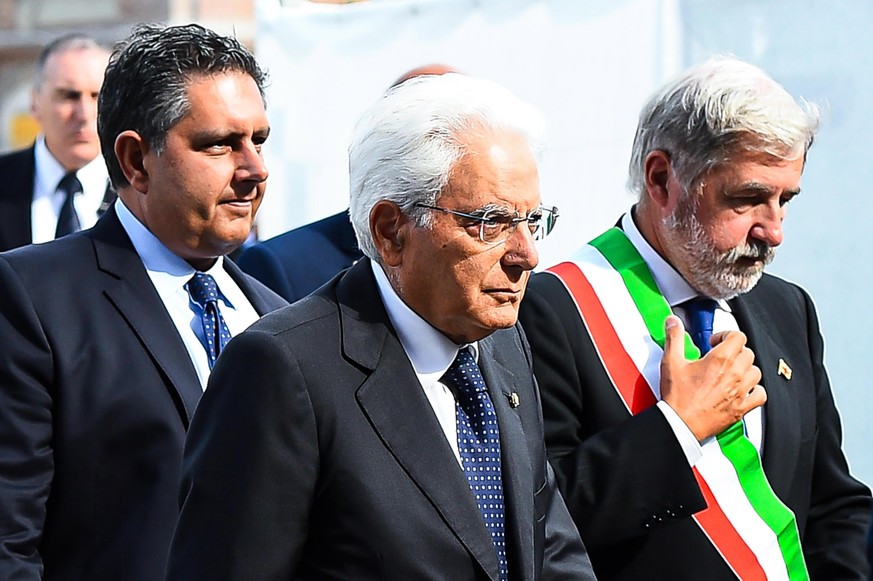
755, 250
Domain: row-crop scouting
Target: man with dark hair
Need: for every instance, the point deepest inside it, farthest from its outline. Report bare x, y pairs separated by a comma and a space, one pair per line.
670, 462
59, 184
391, 427
109, 334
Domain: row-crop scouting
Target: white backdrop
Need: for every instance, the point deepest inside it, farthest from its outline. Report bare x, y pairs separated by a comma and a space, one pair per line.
589, 66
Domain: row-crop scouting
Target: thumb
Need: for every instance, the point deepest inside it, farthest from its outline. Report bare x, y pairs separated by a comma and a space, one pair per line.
674, 338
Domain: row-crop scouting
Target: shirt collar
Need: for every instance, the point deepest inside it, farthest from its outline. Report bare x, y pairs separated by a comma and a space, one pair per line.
430, 352
169, 272
50, 171
672, 285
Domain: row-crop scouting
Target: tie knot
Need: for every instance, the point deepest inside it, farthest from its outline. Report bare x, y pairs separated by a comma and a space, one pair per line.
700, 311
700, 307
202, 288
70, 184
464, 375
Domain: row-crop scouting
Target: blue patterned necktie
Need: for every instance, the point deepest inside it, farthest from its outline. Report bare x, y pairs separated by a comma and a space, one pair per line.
68, 219
700, 312
479, 447
204, 292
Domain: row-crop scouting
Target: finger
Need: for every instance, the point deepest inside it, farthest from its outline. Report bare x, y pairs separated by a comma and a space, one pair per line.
756, 397
674, 339
736, 338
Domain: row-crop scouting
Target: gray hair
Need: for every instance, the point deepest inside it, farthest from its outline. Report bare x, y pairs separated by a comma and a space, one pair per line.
713, 112
405, 147
145, 88
66, 43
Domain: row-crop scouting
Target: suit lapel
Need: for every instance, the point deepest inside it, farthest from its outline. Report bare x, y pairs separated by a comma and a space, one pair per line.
782, 432
515, 459
260, 304
16, 200
132, 293
393, 401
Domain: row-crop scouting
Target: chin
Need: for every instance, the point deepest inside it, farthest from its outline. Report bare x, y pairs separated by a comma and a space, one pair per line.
502, 320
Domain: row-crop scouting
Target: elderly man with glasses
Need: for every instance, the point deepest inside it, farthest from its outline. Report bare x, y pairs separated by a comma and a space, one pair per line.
388, 426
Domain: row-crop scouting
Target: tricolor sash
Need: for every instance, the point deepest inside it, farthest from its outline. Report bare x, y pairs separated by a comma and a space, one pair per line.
624, 312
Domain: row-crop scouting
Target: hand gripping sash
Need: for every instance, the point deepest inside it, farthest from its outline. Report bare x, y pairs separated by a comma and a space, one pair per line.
624, 312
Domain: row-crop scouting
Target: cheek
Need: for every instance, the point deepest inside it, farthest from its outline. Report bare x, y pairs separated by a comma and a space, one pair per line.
731, 234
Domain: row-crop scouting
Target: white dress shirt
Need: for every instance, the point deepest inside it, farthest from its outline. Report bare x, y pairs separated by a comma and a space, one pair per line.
170, 274
430, 352
47, 199
677, 291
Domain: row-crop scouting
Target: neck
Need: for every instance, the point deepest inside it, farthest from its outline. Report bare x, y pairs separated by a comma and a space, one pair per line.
645, 222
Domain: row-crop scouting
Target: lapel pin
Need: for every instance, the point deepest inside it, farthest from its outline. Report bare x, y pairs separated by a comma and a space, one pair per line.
784, 370
513, 399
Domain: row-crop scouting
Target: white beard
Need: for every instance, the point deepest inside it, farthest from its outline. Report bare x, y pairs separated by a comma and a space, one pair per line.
715, 274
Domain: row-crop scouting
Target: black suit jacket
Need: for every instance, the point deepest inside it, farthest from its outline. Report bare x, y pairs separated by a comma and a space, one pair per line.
297, 262
325, 460
16, 197
96, 393
626, 480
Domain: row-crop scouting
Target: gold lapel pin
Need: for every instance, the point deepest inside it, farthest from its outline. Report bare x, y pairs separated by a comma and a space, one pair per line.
513, 399
784, 370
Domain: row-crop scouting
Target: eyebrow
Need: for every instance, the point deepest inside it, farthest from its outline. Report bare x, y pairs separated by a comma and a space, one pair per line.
758, 188
207, 136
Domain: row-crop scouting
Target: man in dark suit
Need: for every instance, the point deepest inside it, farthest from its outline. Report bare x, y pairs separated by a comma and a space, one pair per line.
297, 262
342, 454
36, 204
106, 343
658, 452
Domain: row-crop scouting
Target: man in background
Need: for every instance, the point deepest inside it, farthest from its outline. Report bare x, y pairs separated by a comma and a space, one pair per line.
108, 335
297, 262
669, 461
59, 185
390, 427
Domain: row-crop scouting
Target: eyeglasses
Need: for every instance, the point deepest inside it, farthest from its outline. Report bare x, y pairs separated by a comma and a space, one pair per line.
496, 225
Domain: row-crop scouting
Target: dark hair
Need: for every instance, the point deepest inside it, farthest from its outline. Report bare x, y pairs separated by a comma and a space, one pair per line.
145, 88
67, 42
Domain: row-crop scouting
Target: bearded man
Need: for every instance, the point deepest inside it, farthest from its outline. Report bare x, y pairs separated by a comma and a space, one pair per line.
715, 455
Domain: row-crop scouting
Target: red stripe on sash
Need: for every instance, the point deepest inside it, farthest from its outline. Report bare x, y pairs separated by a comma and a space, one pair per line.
732, 547
637, 395
628, 381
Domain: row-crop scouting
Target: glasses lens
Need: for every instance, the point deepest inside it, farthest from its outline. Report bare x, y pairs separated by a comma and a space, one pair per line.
495, 227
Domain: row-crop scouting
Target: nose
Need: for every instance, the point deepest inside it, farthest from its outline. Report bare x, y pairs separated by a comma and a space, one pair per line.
768, 226
251, 166
85, 109
521, 250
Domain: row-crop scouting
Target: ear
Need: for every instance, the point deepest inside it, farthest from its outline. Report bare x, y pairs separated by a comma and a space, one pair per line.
130, 150
659, 175
387, 229
33, 108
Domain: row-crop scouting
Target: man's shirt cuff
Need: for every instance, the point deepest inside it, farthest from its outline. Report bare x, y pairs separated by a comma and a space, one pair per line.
690, 446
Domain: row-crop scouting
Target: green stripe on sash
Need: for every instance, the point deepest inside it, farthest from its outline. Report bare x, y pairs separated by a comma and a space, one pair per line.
626, 260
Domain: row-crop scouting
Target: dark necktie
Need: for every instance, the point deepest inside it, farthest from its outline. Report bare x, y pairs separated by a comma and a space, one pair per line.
204, 292
700, 312
479, 447
68, 220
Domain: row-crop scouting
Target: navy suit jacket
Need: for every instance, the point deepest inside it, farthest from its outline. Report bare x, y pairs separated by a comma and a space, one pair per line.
16, 198
626, 480
325, 460
297, 262
96, 393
